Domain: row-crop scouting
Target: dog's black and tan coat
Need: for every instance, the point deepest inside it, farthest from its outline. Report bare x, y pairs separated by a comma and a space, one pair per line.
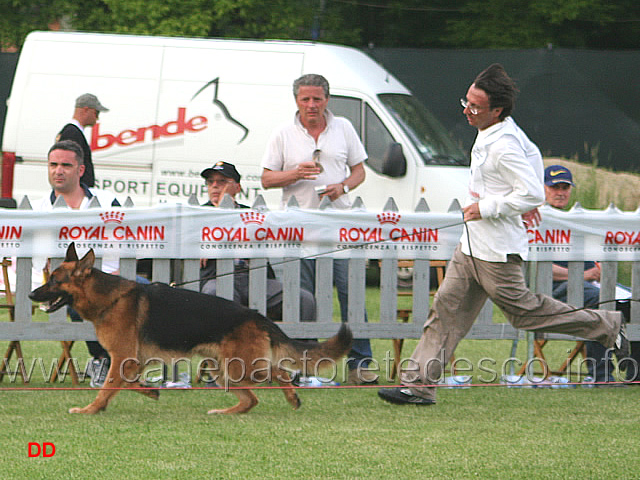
135, 322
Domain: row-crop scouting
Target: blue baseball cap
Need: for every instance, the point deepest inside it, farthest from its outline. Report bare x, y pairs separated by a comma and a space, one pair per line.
225, 168
555, 174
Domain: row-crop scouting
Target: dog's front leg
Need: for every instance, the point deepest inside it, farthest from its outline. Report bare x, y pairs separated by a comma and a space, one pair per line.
116, 378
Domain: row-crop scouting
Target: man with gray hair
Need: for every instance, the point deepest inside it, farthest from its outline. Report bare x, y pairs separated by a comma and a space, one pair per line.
86, 113
319, 155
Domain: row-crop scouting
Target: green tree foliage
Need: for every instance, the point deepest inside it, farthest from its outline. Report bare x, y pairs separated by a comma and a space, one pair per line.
145, 17
383, 23
19, 17
536, 23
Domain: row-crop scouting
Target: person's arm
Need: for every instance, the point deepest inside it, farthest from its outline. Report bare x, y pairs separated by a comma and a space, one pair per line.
279, 179
561, 274
356, 177
523, 187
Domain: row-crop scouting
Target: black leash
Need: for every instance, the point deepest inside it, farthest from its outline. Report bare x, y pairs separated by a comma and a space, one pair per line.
328, 252
360, 245
576, 309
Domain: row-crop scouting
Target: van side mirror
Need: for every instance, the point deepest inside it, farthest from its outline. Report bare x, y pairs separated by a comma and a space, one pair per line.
395, 164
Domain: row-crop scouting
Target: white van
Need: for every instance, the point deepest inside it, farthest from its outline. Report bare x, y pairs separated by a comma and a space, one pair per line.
179, 105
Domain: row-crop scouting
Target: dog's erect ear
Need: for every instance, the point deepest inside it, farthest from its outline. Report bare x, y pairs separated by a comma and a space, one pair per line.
87, 260
71, 255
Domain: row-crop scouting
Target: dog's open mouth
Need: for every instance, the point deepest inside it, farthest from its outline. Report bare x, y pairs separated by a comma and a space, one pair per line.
50, 306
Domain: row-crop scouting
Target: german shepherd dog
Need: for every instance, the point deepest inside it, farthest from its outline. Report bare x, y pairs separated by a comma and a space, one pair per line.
136, 322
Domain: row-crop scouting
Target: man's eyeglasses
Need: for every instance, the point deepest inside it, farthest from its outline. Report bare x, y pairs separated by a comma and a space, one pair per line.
473, 109
219, 181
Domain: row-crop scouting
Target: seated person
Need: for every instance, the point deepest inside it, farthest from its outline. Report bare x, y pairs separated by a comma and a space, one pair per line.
558, 183
221, 179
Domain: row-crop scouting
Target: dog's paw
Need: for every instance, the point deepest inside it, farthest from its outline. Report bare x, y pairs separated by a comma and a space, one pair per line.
153, 393
88, 410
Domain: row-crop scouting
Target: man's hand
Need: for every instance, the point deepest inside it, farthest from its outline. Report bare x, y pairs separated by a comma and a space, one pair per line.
307, 171
472, 212
333, 191
592, 274
532, 218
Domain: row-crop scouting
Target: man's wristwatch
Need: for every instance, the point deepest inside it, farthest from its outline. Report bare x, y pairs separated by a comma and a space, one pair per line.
345, 188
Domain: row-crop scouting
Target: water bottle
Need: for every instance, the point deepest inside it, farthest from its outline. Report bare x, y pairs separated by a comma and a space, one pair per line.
459, 381
513, 381
588, 382
315, 382
559, 382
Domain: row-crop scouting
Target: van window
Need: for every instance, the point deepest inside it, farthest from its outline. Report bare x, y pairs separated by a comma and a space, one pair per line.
378, 141
426, 133
348, 107
376, 138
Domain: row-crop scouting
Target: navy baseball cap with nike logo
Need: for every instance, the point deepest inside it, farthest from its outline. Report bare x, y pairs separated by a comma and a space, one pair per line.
556, 174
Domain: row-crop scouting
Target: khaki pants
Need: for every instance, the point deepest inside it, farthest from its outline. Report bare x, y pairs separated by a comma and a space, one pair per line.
462, 295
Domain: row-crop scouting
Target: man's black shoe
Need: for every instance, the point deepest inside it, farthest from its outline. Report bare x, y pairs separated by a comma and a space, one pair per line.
621, 347
402, 396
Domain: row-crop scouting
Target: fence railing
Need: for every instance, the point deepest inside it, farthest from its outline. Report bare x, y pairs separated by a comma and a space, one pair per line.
181, 270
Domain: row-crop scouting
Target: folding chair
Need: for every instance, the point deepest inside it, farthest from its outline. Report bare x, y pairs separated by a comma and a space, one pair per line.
14, 345
405, 313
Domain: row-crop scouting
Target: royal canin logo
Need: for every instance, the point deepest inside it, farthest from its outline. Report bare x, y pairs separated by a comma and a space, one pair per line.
622, 238
112, 217
549, 237
106, 232
10, 232
137, 135
388, 217
252, 217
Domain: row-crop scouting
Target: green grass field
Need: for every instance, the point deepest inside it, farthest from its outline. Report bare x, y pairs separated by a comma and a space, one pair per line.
481, 432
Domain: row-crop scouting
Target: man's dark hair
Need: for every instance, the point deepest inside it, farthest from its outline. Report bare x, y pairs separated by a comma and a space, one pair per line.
69, 146
499, 87
311, 80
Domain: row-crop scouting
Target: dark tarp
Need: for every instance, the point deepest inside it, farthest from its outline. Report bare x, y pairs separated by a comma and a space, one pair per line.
572, 103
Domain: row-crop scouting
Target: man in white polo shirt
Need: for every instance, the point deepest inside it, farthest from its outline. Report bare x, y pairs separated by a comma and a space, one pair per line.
319, 155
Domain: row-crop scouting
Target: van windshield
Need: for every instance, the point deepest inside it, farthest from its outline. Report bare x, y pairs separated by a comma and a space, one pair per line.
427, 134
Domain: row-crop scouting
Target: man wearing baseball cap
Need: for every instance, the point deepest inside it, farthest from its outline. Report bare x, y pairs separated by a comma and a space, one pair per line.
86, 113
223, 178
558, 185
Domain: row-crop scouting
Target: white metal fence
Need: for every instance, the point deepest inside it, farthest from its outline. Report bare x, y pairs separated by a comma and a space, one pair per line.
387, 325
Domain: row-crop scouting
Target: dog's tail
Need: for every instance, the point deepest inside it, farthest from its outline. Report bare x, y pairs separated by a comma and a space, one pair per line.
310, 355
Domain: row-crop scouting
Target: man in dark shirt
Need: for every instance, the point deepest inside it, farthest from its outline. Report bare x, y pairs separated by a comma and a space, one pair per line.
86, 113
223, 178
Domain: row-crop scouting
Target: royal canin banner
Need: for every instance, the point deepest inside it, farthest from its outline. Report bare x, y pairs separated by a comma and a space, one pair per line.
191, 232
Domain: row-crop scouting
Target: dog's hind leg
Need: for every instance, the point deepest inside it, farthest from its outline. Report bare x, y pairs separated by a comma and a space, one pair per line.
284, 380
246, 401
